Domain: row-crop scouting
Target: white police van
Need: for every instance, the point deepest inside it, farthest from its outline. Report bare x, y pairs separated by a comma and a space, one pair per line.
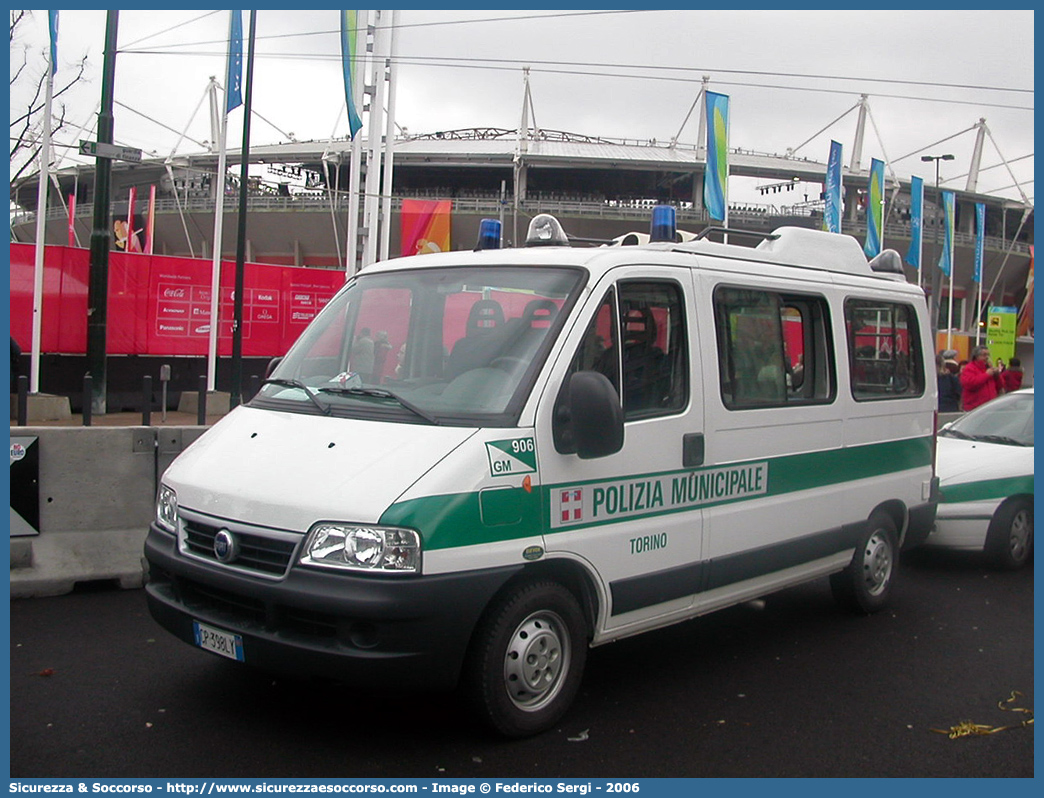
473, 466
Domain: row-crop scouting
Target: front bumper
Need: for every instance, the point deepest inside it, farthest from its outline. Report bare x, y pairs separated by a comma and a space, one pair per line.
401, 631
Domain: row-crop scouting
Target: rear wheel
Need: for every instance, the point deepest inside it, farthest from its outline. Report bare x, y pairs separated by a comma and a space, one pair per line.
866, 584
527, 659
1009, 540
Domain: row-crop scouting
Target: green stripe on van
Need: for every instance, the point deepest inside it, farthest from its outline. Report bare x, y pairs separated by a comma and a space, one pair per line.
452, 520
986, 489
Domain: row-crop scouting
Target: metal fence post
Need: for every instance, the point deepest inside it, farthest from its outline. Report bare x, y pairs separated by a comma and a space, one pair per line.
201, 408
88, 394
23, 400
146, 401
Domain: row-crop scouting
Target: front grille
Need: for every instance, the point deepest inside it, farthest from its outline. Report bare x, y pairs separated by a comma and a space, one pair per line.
260, 553
249, 614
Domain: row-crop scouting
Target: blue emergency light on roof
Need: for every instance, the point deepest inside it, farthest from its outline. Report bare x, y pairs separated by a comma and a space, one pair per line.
664, 226
545, 231
489, 234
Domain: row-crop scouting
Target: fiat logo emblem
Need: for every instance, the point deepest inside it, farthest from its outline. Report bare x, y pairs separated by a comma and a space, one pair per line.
226, 547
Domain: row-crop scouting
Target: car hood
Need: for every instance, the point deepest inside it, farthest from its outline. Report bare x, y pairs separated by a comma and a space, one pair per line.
959, 461
288, 470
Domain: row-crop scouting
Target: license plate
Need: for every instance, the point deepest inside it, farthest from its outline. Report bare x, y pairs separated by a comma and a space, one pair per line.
224, 643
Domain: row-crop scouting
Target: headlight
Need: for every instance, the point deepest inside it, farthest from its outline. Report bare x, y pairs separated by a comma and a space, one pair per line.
167, 509
362, 548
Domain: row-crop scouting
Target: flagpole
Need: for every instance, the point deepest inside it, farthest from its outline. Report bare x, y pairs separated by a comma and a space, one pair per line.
235, 39
389, 143
978, 313
236, 392
949, 312
41, 230
374, 153
953, 267
215, 269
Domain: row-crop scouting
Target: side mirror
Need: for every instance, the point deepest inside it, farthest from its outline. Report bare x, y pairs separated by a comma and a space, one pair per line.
588, 417
272, 366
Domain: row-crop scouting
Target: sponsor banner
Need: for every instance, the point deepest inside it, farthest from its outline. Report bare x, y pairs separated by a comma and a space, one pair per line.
234, 72
614, 500
161, 305
716, 173
52, 29
1026, 312
913, 254
349, 37
832, 194
425, 226
980, 238
946, 256
875, 210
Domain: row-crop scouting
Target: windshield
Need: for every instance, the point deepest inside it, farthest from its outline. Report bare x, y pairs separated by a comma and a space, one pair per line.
437, 346
1006, 419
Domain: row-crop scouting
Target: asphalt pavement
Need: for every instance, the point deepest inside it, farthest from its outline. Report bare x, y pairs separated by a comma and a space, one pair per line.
793, 688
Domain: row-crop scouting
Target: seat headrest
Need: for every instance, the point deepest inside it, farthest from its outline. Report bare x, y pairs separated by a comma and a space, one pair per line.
539, 310
639, 326
485, 314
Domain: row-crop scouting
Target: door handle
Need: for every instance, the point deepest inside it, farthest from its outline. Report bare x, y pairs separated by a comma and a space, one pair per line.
692, 449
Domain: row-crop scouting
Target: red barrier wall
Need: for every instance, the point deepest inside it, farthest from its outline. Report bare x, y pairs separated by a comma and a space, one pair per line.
160, 305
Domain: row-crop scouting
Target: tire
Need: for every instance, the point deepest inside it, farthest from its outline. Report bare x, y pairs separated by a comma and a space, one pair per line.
866, 584
1009, 541
527, 658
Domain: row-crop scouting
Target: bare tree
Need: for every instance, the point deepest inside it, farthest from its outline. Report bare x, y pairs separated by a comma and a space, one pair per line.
27, 122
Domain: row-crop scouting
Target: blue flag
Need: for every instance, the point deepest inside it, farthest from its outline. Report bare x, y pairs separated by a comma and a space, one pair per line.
234, 79
913, 254
946, 256
832, 194
875, 210
348, 39
716, 175
980, 238
52, 24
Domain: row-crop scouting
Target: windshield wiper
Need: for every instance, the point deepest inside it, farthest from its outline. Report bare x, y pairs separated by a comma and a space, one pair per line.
1004, 439
384, 394
325, 409
956, 433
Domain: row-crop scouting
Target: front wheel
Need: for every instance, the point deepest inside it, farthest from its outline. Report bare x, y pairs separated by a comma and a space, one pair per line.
527, 658
866, 584
1010, 537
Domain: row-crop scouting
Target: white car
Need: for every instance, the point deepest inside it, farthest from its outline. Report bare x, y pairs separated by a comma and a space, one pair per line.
985, 468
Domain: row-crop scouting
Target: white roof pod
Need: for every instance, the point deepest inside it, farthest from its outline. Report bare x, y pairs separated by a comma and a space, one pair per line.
805, 247
634, 238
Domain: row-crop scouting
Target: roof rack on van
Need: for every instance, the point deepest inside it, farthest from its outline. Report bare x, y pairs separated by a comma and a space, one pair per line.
734, 232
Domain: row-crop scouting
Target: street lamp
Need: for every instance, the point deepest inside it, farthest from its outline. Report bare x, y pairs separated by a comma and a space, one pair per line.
936, 280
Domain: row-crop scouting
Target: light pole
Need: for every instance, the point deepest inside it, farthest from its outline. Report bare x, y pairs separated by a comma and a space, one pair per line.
936, 284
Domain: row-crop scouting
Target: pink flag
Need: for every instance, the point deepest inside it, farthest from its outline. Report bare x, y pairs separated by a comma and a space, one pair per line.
150, 227
72, 215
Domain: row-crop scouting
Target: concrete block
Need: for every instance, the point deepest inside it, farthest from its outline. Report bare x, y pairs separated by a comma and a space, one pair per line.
43, 407
93, 479
61, 559
217, 402
21, 553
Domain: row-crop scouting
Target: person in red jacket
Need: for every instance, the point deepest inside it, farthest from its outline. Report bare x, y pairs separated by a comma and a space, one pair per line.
980, 382
1011, 377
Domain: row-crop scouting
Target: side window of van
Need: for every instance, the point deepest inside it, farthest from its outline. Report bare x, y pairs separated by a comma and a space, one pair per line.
773, 348
883, 349
637, 339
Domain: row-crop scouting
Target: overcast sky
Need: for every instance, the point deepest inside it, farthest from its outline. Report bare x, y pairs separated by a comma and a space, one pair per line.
634, 75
